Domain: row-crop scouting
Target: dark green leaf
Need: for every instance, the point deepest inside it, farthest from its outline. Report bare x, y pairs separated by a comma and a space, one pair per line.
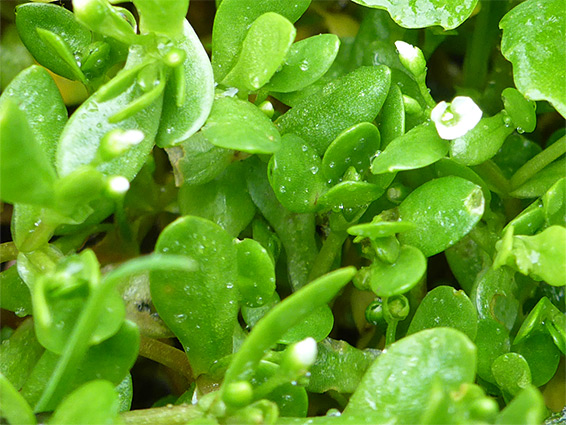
354, 98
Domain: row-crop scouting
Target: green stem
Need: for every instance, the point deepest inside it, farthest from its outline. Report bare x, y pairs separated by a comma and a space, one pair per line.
479, 49
327, 254
391, 332
425, 91
168, 415
493, 176
534, 165
167, 355
8, 252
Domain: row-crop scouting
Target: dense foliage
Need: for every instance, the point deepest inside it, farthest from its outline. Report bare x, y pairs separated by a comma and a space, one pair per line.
310, 212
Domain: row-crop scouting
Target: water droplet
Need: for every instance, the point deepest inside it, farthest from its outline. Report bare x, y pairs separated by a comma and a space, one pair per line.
314, 169
282, 189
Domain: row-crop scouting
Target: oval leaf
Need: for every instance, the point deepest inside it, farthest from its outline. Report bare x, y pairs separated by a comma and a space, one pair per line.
444, 210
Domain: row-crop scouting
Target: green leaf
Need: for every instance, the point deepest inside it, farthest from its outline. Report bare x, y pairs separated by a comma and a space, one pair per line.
354, 98
307, 61
224, 201
295, 175
291, 399
256, 273
354, 147
232, 22
537, 56
482, 142
110, 360
83, 133
296, 231
264, 49
391, 120
27, 177
511, 372
445, 307
16, 295
520, 110
339, 367
62, 24
396, 387
419, 147
540, 256
554, 204
350, 194
526, 408
444, 210
93, 403
514, 153
13, 406
19, 354
399, 277
37, 96
179, 122
197, 161
201, 306
284, 315
162, 16
316, 325
541, 182
425, 13
239, 125
378, 228
542, 355
466, 260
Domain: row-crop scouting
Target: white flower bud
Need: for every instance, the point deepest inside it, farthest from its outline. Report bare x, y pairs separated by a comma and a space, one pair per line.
118, 185
411, 57
456, 119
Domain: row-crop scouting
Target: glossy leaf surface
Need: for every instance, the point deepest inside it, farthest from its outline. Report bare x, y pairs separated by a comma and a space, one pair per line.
263, 51
537, 56
28, 177
239, 125
353, 147
256, 274
59, 21
425, 13
444, 211
296, 175
445, 307
179, 122
354, 98
305, 63
37, 96
232, 22
396, 386
201, 305
90, 122
417, 148
395, 279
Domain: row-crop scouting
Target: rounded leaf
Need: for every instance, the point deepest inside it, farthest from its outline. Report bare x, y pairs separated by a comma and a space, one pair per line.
399, 277
397, 386
256, 273
353, 147
445, 307
444, 210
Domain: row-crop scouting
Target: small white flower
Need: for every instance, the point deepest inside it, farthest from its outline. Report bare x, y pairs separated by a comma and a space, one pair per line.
118, 185
456, 119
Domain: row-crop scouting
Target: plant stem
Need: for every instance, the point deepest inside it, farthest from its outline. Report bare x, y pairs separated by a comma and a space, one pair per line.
168, 415
330, 249
425, 92
167, 355
391, 332
492, 175
537, 163
8, 252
